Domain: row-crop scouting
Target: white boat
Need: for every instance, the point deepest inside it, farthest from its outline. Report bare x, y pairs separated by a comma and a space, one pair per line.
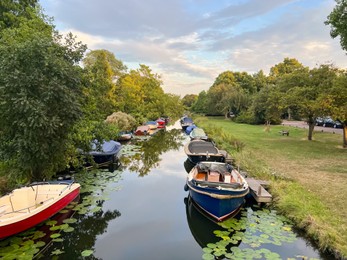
28, 206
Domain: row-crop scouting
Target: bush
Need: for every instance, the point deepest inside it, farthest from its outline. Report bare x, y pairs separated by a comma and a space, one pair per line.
123, 121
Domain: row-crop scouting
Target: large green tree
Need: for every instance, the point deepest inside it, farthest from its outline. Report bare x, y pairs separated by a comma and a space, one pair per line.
337, 20
12, 12
39, 98
101, 70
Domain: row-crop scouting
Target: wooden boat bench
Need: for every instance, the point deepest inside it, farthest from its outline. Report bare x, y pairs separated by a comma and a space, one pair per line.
213, 176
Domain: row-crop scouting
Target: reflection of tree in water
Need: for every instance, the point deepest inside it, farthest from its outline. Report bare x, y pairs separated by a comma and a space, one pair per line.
91, 219
87, 228
151, 149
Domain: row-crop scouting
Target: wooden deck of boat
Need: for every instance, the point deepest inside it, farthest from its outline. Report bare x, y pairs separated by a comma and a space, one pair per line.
258, 191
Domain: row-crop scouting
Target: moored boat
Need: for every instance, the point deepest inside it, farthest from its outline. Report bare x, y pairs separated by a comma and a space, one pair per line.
161, 123
200, 150
125, 136
198, 133
28, 206
107, 153
185, 122
217, 188
152, 124
142, 130
190, 128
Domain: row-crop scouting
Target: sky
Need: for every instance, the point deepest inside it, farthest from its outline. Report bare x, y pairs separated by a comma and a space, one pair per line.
190, 42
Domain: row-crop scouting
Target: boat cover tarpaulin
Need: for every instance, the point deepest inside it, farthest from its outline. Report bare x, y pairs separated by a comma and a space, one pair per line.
202, 147
107, 147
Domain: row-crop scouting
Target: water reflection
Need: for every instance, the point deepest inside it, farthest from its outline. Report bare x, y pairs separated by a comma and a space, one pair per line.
200, 225
151, 150
188, 165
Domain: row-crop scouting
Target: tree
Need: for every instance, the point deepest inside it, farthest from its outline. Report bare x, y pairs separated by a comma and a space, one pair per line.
188, 100
39, 98
288, 66
337, 20
123, 121
12, 12
200, 105
101, 68
114, 67
335, 101
139, 93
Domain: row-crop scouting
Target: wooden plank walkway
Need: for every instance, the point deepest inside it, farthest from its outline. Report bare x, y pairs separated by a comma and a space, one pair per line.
257, 190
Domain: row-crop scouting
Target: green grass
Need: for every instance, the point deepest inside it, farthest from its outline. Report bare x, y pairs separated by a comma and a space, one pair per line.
308, 178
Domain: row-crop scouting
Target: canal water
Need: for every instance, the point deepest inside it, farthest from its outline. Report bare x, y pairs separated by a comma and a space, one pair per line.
141, 211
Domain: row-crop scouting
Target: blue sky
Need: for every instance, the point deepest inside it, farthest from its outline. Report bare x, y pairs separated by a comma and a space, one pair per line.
190, 42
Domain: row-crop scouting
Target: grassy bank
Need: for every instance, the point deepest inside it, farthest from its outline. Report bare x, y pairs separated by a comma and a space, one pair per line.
308, 178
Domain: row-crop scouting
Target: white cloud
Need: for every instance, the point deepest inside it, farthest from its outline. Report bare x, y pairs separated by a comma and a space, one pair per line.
191, 42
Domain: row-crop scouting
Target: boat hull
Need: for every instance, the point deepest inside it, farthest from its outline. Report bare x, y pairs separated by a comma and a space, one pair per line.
211, 202
35, 219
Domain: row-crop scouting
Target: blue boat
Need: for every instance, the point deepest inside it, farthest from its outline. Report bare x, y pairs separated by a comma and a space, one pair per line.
185, 122
200, 150
105, 153
217, 188
190, 128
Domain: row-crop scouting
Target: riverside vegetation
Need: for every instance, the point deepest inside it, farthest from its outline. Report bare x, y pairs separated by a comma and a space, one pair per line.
308, 179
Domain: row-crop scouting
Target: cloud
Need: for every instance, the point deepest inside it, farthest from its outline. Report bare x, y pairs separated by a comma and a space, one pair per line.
190, 42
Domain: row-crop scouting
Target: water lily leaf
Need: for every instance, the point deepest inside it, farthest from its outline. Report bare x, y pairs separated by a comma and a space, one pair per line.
51, 222
54, 228
70, 220
38, 234
69, 229
208, 257
87, 252
40, 244
58, 240
207, 250
64, 226
57, 252
55, 235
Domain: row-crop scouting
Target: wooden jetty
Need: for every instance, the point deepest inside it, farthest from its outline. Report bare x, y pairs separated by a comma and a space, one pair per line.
258, 191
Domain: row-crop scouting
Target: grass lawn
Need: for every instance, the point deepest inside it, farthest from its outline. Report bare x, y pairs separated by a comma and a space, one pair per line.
308, 178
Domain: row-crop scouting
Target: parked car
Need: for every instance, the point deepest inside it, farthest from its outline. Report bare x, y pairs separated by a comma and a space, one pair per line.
329, 122
338, 124
319, 121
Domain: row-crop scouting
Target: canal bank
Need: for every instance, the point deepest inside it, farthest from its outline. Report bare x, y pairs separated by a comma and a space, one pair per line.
308, 178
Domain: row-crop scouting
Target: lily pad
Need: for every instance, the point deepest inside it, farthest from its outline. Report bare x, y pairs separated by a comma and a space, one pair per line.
87, 253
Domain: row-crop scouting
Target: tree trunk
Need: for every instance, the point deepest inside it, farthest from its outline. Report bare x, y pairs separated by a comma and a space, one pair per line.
289, 114
344, 135
310, 131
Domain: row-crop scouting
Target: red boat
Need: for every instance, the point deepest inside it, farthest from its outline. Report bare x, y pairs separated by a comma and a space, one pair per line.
28, 206
161, 123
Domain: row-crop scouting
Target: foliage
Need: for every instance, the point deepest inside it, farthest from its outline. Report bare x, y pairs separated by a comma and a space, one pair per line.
123, 121
200, 104
13, 12
188, 100
39, 89
139, 94
338, 22
101, 67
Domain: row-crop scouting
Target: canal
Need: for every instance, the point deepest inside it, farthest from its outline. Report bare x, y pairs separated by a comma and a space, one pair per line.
141, 211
